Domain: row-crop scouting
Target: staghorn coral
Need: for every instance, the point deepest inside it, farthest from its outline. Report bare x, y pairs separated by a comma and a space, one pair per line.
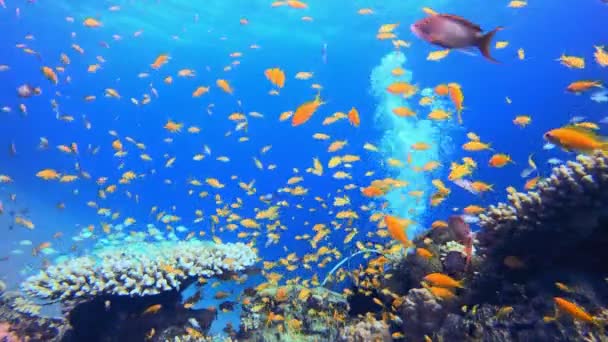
138, 269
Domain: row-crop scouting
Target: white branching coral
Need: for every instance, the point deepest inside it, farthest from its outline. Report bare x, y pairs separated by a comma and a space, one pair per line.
138, 269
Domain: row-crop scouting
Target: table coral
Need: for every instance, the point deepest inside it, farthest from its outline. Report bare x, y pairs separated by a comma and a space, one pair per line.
138, 269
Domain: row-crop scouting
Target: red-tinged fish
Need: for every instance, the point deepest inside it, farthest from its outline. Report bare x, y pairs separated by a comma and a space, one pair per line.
454, 32
463, 234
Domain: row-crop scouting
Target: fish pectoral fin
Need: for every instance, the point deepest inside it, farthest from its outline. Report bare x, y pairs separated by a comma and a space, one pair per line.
466, 51
433, 39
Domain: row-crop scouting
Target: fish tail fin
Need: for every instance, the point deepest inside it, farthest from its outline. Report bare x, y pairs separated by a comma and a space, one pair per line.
486, 41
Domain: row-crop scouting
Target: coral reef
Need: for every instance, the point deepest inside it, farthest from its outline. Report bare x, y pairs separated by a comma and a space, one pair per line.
292, 312
20, 321
138, 269
565, 211
108, 295
545, 244
123, 318
366, 329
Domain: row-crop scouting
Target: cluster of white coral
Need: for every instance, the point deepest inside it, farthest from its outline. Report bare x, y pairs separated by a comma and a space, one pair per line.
138, 269
451, 246
25, 306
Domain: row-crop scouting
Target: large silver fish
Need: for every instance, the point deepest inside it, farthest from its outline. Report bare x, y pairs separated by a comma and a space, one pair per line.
454, 32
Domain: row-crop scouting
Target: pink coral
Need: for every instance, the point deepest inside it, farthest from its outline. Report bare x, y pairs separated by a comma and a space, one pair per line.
6, 334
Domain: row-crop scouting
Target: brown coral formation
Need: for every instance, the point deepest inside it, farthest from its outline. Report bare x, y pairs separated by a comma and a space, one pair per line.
366, 329
565, 210
557, 233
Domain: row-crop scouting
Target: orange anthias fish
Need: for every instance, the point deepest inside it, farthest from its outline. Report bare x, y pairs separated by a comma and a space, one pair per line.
91, 22
353, 117
500, 160
572, 138
582, 86
276, 76
442, 280
225, 86
49, 74
296, 4
574, 310
457, 98
373, 191
306, 111
396, 227
160, 61
152, 309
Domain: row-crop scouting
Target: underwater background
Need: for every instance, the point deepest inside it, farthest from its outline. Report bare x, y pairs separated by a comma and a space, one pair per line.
211, 176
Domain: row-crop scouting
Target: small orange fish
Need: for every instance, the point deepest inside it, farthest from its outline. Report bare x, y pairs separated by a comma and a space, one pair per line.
575, 311
49, 74
457, 97
372, 191
582, 86
152, 309
572, 138
424, 253
531, 183
396, 227
296, 4
91, 22
402, 88
442, 280
200, 91
161, 60
225, 86
500, 160
442, 90
306, 111
353, 117
522, 120
276, 76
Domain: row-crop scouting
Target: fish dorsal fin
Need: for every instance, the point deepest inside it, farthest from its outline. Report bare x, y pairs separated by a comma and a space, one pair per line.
462, 21
582, 130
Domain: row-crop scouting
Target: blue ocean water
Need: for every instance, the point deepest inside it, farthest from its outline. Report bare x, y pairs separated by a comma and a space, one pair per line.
202, 36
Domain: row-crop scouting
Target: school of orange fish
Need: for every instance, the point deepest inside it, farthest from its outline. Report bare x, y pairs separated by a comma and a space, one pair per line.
265, 222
